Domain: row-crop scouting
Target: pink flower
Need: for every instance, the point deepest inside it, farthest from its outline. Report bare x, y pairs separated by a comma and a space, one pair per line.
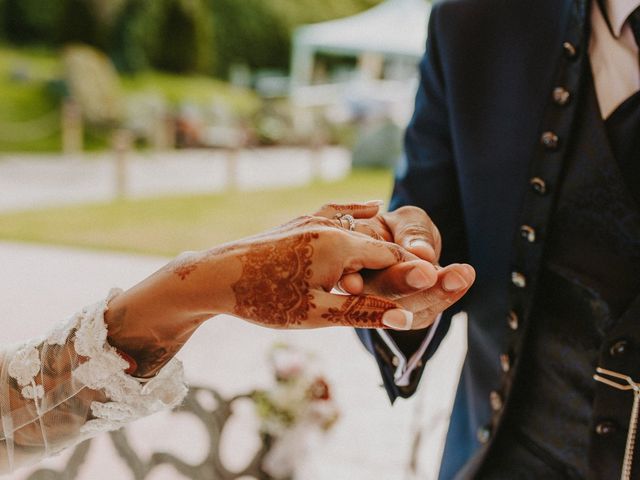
319, 389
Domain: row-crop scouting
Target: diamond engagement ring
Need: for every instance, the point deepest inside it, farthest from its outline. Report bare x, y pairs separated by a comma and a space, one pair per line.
349, 219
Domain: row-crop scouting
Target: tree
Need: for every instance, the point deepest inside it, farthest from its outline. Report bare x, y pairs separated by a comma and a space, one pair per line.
79, 23
184, 37
26, 21
248, 32
258, 32
129, 38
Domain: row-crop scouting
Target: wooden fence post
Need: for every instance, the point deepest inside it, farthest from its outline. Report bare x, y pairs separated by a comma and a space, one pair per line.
72, 131
121, 148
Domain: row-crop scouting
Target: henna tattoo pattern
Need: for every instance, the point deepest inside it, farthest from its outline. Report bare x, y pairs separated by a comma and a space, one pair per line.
150, 357
183, 266
188, 262
397, 252
274, 285
360, 311
352, 207
183, 271
372, 233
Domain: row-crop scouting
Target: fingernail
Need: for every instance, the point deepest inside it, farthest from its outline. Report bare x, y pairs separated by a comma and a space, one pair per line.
374, 203
422, 243
416, 278
418, 242
470, 270
398, 319
339, 288
453, 282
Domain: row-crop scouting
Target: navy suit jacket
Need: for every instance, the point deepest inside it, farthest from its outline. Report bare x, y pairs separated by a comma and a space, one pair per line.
473, 149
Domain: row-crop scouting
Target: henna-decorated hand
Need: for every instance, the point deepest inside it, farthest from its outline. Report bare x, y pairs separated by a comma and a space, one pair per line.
280, 279
283, 278
411, 228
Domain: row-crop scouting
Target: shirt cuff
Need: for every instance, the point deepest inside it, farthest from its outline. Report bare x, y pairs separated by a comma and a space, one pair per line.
405, 368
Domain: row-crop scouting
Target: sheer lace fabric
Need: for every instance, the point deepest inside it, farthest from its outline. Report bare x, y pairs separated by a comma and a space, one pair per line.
59, 390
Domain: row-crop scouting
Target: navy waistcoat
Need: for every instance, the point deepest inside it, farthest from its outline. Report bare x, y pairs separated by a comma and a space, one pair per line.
591, 276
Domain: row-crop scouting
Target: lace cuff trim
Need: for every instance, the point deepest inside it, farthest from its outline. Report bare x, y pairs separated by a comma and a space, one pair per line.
102, 369
130, 399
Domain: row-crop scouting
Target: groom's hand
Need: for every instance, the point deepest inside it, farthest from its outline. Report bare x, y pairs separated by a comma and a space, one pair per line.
408, 283
409, 227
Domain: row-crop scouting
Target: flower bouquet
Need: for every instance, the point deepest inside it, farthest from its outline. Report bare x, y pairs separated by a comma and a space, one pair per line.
294, 413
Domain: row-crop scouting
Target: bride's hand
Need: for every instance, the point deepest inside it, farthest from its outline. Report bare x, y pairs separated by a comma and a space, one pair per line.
283, 278
279, 279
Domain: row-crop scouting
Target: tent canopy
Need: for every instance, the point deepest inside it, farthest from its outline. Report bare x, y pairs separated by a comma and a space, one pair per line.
395, 28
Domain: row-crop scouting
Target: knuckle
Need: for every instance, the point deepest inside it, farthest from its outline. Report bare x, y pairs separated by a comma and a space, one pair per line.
413, 211
369, 230
423, 320
417, 230
437, 237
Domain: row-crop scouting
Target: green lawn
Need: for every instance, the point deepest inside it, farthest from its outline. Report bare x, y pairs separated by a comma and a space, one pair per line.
170, 225
31, 82
29, 112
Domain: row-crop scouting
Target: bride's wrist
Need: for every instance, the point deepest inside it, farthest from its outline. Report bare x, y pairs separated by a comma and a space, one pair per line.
204, 280
150, 322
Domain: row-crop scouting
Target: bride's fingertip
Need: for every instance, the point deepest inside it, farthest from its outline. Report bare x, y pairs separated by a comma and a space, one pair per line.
398, 319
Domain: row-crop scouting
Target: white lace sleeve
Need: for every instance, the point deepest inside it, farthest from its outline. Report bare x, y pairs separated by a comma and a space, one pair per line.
60, 390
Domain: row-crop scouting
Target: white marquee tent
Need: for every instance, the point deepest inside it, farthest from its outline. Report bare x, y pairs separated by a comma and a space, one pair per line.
394, 29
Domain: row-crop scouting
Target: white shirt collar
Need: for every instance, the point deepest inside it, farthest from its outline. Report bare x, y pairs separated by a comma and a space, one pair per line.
618, 11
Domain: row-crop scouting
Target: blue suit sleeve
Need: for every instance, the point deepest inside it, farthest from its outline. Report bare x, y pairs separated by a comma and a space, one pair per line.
426, 178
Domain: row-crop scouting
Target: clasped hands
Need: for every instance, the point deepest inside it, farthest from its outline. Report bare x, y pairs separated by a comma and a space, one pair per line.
385, 264
417, 284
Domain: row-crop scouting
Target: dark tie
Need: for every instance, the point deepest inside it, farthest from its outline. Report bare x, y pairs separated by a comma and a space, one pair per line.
634, 22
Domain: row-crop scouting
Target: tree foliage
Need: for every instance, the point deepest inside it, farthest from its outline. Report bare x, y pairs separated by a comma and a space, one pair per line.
205, 36
79, 23
258, 32
29, 21
184, 41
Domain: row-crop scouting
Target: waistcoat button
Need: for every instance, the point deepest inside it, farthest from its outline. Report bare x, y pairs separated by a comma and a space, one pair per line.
605, 427
561, 96
495, 400
528, 233
550, 140
512, 319
505, 362
619, 348
570, 50
518, 279
538, 185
